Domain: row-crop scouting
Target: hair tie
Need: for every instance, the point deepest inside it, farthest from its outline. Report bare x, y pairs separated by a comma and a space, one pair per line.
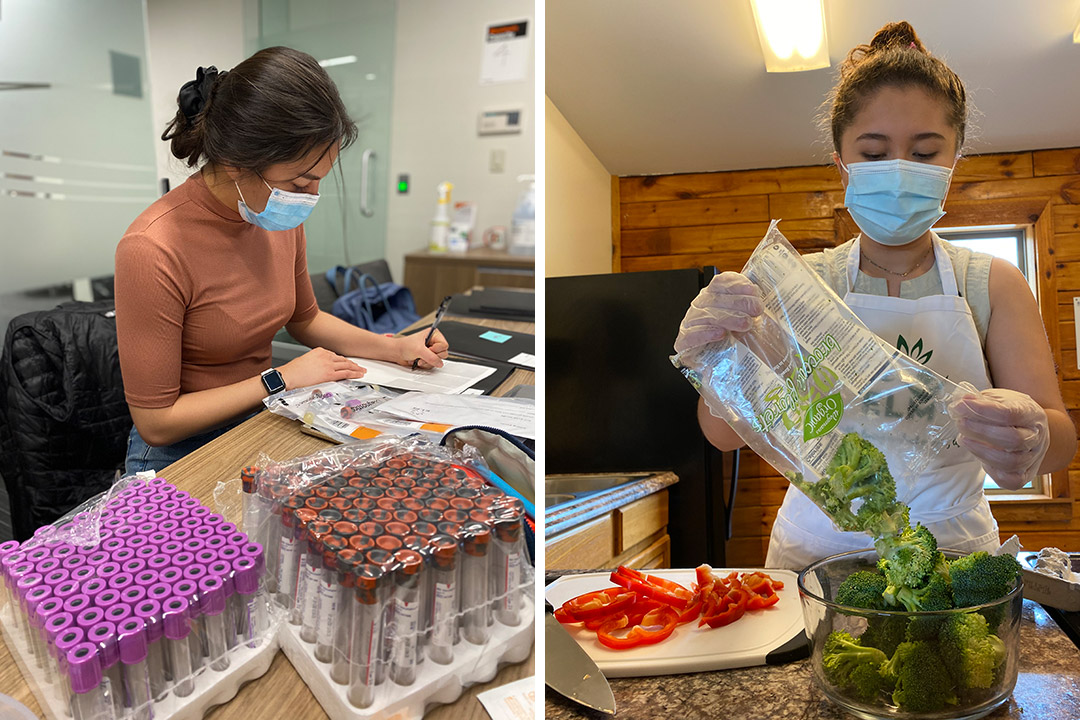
912, 45
195, 93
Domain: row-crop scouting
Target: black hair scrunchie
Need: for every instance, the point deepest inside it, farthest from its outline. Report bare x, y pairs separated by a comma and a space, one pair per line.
195, 93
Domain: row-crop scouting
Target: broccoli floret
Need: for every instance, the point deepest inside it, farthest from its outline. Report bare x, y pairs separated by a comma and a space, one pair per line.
850, 665
859, 473
981, 577
921, 681
970, 651
908, 559
935, 594
885, 632
863, 589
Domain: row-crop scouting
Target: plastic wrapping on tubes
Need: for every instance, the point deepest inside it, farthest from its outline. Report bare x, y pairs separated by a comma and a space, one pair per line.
134, 604
390, 558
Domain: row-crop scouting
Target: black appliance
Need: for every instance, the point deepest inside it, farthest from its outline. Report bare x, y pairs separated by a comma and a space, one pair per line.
615, 403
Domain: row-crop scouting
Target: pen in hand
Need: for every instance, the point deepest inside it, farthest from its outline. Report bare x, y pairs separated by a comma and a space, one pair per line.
434, 324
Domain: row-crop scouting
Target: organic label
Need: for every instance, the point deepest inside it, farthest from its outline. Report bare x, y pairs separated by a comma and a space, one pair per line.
822, 416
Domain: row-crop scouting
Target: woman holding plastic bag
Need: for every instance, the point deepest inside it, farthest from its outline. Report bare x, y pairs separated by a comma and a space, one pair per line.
897, 121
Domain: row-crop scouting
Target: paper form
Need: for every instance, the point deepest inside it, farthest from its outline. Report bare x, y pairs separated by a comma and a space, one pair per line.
452, 378
515, 416
513, 701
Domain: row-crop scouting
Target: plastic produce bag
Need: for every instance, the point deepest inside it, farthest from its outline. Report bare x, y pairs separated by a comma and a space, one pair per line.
809, 371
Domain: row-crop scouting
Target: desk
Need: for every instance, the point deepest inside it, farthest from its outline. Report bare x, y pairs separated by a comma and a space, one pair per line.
280, 693
433, 275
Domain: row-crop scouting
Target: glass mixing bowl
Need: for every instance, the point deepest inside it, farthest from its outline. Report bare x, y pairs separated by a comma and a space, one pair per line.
817, 589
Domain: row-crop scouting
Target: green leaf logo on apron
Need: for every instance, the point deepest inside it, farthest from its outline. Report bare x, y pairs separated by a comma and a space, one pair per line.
915, 351
822, 416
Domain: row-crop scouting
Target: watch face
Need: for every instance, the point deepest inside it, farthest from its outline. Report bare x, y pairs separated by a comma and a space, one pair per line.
273, 381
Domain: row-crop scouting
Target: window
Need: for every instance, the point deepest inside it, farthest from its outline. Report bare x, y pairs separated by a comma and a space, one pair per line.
1013, 244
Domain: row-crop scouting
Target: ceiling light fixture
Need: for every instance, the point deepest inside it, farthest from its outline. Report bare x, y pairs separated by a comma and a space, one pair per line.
792, 34
343, 60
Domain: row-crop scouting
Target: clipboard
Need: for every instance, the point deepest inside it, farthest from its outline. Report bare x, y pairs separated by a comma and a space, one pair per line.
474, 342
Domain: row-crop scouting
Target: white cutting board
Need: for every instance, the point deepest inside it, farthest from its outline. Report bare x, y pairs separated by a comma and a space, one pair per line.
690, 648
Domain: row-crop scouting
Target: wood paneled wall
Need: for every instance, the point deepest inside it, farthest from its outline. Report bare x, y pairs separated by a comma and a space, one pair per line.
677, 221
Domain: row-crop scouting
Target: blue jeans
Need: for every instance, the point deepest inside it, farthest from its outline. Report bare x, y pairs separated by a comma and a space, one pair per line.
142, 457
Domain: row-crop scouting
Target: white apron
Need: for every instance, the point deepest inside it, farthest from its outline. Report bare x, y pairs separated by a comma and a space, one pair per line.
948, 496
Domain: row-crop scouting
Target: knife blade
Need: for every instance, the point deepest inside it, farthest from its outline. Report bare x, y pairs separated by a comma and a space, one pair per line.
569, 671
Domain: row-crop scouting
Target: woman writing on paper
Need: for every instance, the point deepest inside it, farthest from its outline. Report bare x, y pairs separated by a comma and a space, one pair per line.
898, 117
208, 274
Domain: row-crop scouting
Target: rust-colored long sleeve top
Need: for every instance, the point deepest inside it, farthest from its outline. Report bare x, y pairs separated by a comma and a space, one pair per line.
200, 293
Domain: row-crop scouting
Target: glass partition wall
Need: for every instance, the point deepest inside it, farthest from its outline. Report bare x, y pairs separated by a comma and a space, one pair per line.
76, 150
354, 41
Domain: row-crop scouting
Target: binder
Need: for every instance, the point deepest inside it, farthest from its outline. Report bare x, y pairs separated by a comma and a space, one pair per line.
498, 304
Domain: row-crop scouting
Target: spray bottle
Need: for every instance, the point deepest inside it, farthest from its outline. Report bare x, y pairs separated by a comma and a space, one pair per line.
440, 224
523, 224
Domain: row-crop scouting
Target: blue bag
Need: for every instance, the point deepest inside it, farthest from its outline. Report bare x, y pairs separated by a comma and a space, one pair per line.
385, 308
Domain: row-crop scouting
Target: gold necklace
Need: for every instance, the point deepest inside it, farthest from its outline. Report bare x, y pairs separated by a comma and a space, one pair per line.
903, 274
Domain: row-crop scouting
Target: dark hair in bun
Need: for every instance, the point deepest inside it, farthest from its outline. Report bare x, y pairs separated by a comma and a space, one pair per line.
275, 107
895, 57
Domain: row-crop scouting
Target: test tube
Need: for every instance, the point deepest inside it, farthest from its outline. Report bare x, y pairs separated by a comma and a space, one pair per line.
385, 560
212, 593
345, 563
223, 570
197, 638
45, 611
134, 660
54, 626
366, 636
6, 548
307, 593
506, 564
329, 596
178, 634
252, 618
104, 636
406, 616
474, 582
90, 697
288, 557
274, 498
443, 559
149, 611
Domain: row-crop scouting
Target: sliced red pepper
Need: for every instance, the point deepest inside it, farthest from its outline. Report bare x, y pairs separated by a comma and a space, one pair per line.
656, 625
564, 617
692, 611
731, 608
757, 602
653, 587
600, 603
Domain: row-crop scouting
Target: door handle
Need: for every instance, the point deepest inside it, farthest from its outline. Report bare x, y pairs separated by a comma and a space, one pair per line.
365, 183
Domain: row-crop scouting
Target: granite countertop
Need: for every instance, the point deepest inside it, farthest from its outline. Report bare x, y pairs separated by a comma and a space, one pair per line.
1048, 687
562, 517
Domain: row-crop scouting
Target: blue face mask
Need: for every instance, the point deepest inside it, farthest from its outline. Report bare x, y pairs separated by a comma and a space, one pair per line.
283, 211
896, 201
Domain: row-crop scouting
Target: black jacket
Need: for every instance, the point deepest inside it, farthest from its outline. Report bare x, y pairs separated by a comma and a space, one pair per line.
64, 421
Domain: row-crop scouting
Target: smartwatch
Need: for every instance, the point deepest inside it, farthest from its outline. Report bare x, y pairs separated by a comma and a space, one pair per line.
273, 381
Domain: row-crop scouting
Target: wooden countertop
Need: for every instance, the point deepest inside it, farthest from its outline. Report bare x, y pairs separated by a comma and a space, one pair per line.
280, 693
1048, 687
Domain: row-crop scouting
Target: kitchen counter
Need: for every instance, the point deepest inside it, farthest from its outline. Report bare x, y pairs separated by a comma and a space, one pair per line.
1048, 687
593, 505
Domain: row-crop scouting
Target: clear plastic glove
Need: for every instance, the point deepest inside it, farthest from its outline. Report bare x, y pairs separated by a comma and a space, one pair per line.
729, 303
1006, 430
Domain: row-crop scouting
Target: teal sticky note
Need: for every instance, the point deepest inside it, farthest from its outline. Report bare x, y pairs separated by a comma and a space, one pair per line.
495, 337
